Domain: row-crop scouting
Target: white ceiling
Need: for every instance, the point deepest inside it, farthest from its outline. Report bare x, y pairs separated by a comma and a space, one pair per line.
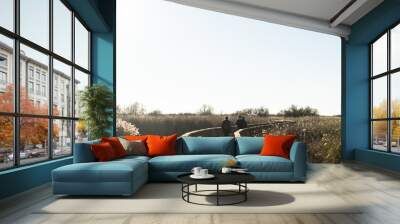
320, 9
315, 15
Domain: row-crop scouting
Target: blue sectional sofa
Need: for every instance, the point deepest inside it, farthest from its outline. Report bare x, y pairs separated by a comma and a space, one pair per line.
125, 176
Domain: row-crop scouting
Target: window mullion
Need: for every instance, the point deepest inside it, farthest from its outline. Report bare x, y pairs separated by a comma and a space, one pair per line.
16, 84
389, 100
73, 82
50, 81
371, 141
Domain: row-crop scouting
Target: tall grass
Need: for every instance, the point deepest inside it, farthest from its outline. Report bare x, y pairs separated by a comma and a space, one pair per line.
322, 136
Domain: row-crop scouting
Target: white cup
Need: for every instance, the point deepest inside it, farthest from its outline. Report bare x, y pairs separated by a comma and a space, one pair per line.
226, 170
196, 171
203, 172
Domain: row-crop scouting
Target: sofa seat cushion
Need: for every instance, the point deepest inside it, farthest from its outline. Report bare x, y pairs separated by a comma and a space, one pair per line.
257, 163
133, 157
185, 163
113, 171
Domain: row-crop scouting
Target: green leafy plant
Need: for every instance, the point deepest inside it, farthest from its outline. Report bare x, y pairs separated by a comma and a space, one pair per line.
97, 104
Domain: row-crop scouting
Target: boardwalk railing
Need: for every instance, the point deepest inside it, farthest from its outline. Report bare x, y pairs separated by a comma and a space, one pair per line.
258, 130
217, 131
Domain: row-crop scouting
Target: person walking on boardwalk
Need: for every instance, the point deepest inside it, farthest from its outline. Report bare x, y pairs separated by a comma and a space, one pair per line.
226, 127
244, 122
241, 123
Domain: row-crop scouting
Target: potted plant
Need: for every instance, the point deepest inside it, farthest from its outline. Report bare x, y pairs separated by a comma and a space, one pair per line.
97, 105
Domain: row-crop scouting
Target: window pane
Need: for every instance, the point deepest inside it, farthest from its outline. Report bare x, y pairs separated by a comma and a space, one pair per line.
62, 89
35, 21
395, 136
379, 55
7, 14
81, 131
379, 135
34, 97
33, 139
81, 81
395, 94
81, 45
6, 74
6, 142
379, 99
62, 138
62, 29
395, 47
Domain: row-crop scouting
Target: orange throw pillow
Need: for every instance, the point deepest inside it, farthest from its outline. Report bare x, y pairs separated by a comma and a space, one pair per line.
103, 152
161, 145
136, 137
116, 145
277, 145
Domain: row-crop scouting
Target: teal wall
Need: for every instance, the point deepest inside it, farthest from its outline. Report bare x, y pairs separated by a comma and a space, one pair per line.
104, 52
355, 82
24, 178
99, 15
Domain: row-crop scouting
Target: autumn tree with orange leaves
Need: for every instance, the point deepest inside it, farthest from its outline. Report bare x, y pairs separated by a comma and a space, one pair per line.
380, 127
33, 131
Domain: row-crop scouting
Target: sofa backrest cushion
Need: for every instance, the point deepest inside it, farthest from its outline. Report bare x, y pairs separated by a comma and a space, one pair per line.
83, 152
249, 145
207, 145
161, 145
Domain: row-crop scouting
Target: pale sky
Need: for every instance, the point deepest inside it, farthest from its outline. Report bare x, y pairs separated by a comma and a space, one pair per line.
175, 58
35, 27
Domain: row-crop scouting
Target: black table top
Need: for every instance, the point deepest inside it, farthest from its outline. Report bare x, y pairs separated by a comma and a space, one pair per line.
220, 178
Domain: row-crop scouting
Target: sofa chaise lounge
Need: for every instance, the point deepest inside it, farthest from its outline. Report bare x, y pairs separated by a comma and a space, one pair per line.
125, 176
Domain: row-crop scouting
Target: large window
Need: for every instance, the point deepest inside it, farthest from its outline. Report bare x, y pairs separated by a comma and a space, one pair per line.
385, 95
40, 80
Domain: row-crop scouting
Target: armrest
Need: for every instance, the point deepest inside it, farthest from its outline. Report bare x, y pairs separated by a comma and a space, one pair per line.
83, 152
298, 155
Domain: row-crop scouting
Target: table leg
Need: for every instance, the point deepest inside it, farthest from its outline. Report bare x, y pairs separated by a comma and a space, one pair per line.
188, 190
245, 193
217, 194
195, 188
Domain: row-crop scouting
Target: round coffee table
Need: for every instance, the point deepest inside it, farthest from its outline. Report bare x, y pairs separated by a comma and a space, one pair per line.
238, 179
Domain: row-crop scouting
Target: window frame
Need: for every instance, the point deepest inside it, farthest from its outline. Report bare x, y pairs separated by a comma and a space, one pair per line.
16, 114
388, 74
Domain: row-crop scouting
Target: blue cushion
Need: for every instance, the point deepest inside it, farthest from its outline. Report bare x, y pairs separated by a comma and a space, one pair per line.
130, 158
208, 145
111, 171
249, 145
185, 163
83, 152
257, 163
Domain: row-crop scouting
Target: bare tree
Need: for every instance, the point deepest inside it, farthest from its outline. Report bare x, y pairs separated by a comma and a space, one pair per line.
206, 110
135, 109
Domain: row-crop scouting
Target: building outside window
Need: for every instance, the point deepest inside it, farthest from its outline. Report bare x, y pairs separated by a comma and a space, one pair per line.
30, 72
37, 75
30, 87
3, 78
3, 72
3, 61
43, 90
38, 89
